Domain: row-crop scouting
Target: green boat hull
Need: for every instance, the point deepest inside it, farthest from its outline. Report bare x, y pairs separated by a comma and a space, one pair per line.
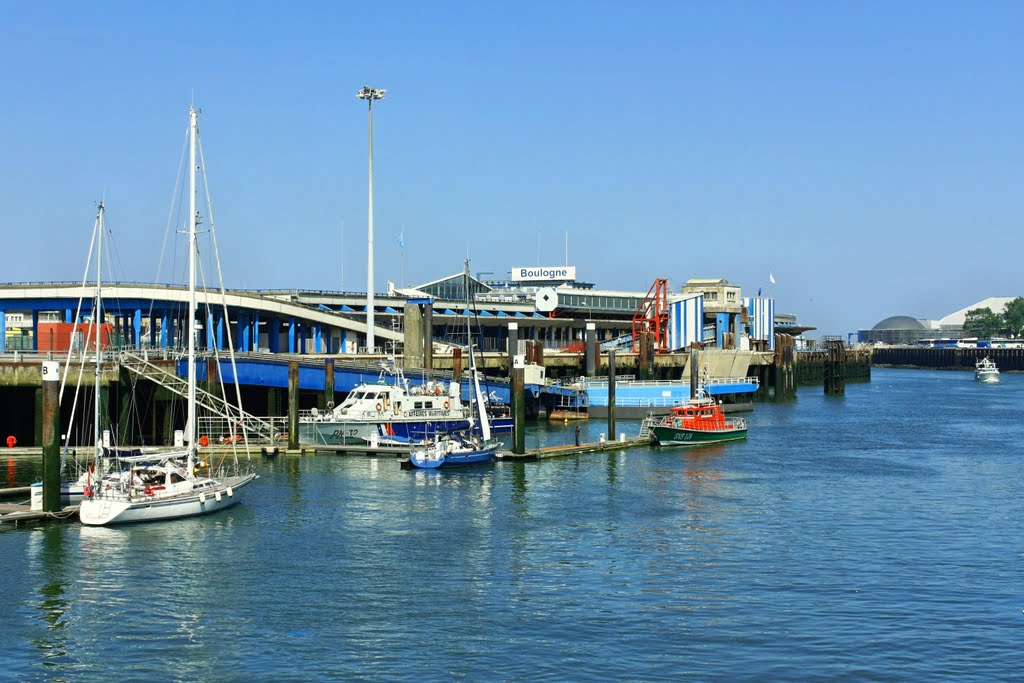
672, 436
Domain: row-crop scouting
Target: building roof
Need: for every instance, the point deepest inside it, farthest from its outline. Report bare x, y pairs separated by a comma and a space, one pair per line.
996, 303
899, 322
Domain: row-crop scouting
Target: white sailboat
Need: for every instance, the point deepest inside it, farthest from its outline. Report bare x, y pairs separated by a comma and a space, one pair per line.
167, 485
72, 492
455, 450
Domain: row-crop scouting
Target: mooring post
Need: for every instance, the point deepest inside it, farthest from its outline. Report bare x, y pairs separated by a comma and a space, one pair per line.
456, 364
518, 411
428, 336
51, 436
513, 344
591, 362
694, 369
293, 405
611, 394
328, 383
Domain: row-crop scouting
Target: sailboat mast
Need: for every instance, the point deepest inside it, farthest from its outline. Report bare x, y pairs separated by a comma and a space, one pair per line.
485, 427
97, 321
190, 423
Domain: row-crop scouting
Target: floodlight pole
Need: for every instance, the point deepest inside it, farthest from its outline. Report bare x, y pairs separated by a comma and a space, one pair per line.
370, 94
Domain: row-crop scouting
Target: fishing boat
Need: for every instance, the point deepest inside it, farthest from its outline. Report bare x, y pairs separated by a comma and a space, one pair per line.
986, 372
178, 483
455, 450
387, 409
698, 422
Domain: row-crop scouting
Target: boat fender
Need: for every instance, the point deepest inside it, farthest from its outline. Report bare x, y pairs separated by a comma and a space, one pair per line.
230, 492
379, 407
217, 496
446, 405
202, 498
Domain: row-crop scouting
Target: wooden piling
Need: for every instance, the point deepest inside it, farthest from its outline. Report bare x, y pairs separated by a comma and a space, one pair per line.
293, 405
51, 436
328, 383
518, 411
611, 395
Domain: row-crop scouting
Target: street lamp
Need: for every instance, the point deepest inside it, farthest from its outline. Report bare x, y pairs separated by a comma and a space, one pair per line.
370, 94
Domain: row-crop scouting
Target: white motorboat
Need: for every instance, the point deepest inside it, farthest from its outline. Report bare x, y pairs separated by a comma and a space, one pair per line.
986, 372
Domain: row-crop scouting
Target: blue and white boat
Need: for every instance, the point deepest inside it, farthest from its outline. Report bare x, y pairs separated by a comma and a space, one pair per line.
388, 408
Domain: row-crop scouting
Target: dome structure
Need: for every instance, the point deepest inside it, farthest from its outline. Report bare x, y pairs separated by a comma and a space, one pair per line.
899, 322
897, 329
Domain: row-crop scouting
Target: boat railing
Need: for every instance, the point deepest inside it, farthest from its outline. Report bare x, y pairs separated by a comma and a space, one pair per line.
713, 381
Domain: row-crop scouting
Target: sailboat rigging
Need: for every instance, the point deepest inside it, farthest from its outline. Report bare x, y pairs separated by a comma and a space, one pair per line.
172, 484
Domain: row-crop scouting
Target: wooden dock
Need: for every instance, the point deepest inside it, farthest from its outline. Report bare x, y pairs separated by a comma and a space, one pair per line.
16, 513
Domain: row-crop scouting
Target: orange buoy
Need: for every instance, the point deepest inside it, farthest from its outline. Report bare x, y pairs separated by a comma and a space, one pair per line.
11, 441
204, 441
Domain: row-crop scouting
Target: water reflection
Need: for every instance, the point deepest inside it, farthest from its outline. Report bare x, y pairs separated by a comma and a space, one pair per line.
47, 548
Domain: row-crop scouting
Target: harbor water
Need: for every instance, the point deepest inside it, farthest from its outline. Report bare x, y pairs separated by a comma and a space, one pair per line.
873, 536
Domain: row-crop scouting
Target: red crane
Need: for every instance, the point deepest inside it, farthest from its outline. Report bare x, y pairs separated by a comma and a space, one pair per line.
652, 316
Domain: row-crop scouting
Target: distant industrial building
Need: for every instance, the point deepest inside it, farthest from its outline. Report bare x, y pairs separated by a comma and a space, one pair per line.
904, 329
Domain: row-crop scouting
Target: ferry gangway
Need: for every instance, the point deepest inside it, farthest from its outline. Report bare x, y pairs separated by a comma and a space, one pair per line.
140, 366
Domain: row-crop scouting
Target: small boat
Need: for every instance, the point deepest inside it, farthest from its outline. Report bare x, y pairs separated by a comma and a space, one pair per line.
698, 422
453, 450
456, 450
178, 483
986, 372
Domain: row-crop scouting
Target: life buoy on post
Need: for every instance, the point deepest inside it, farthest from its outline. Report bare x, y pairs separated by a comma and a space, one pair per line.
446, 405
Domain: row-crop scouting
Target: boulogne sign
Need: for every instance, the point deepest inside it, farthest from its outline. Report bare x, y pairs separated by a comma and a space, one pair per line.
543, 273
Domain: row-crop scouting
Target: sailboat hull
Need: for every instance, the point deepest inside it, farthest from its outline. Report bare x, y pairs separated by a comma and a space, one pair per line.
104, 510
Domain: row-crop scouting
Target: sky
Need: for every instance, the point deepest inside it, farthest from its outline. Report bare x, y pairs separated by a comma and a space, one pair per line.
867, 155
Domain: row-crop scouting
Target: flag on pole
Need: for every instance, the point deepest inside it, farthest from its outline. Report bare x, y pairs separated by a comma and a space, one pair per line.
759, 291
771, 278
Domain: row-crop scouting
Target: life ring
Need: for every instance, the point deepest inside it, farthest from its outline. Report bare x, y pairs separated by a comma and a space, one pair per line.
446, 405
379, 406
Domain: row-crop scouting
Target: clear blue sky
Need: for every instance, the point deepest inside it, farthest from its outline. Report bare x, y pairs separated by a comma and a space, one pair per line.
868, 154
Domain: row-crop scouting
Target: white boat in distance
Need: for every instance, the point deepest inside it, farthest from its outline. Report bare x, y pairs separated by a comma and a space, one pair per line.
169, 485
986, 372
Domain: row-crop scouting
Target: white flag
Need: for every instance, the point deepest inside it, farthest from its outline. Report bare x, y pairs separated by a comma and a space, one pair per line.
771, 278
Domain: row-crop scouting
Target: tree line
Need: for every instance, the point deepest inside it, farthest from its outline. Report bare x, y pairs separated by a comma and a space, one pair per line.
983, 322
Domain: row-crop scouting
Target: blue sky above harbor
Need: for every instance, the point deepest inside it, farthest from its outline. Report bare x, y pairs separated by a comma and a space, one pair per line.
869, 155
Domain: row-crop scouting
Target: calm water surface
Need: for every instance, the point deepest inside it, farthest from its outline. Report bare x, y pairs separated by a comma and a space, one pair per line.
876, 536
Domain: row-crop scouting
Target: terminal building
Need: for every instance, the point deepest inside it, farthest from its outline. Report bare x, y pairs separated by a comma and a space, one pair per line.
545, 304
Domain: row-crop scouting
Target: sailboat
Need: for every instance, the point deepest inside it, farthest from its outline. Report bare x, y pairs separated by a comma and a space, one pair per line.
172, 484
454, 449
72, 492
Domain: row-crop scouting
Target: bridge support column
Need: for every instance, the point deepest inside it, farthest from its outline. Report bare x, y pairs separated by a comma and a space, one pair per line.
291, 335
137, 321
274, 342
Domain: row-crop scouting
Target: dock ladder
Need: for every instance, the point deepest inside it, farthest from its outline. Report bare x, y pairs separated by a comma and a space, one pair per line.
647, 427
